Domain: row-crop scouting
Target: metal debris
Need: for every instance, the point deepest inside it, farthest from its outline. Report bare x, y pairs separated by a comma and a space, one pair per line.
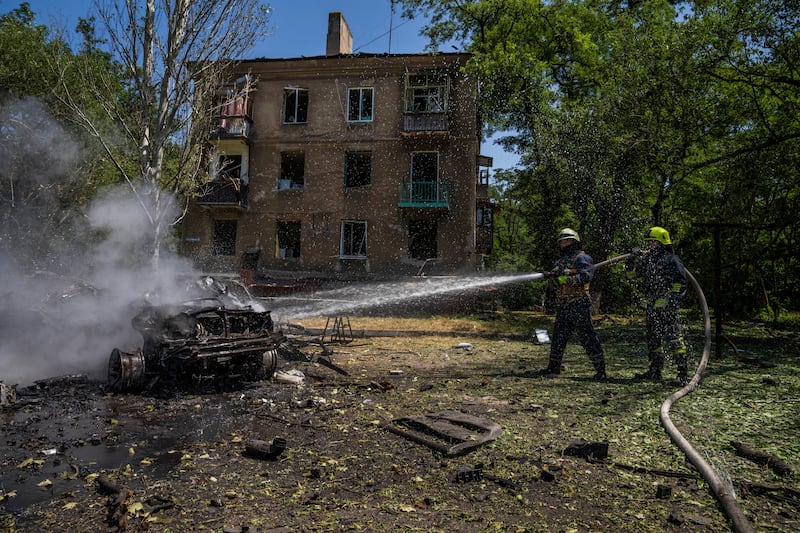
449, 432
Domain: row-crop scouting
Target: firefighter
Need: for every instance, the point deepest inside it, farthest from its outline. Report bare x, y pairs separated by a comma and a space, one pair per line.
571, 277
664, 285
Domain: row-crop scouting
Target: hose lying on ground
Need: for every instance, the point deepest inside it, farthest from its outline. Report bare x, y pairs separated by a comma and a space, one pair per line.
725, 496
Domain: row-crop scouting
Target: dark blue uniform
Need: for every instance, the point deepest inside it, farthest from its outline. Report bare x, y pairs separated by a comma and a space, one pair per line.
572, 274
664, 284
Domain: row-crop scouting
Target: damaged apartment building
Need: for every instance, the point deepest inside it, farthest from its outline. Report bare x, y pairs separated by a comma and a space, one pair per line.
345, 166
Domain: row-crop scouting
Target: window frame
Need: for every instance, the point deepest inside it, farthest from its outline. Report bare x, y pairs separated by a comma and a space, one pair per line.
290, 229
360, 103
295, 183
423, 235
295, 92
420, 167
350, 225
364, 180
430, 88
219, 248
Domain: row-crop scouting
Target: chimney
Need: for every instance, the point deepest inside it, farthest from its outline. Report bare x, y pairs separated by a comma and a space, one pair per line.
340, 40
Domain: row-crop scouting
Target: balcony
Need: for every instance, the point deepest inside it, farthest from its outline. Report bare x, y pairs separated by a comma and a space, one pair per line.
484, 240
416, 123
231, 127
227, 193
424, 194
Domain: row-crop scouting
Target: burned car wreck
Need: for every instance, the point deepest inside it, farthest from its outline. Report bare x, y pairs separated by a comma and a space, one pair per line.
217, 337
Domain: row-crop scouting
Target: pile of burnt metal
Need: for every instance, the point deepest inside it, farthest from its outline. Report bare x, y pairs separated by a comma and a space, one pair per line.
217, 338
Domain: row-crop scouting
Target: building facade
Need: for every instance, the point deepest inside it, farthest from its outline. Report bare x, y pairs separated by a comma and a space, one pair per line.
345, 165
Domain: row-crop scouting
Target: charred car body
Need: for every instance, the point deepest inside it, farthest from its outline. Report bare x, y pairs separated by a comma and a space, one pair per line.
218, 336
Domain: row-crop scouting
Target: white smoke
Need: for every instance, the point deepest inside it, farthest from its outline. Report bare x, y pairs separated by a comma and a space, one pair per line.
72, 280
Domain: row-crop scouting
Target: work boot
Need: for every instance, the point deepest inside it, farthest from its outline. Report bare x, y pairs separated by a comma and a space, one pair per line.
600, 371
548, 372
551, 371
652, 374
682, 378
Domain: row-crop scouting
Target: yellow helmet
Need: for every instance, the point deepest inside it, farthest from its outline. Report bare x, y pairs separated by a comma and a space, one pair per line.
568, 233
657, 234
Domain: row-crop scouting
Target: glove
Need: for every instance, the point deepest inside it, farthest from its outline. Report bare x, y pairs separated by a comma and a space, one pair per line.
549, 275
562, 279
637, 251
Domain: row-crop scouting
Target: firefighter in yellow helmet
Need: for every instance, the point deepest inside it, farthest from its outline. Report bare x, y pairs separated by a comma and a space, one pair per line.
664, 284
571, 277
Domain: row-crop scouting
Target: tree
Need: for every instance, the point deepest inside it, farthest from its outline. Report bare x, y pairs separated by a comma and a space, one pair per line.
39, 157
170, 56
629, 114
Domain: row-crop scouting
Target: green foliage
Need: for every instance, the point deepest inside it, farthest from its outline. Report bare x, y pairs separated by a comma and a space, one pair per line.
681, 114
23, 47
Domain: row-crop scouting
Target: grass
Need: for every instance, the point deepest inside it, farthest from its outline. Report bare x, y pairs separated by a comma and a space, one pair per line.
344, 471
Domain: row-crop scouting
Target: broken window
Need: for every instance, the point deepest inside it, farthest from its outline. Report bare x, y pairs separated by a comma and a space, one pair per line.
295, 106
354, 239
229, 167
426, 93
357, 169
359, 104
292, 170
223, 242
422, 239
287, 239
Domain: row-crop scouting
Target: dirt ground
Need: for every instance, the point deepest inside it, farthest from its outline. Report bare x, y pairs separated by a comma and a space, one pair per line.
77, 458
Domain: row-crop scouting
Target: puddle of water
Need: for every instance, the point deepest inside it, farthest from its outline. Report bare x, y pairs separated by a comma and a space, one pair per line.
92, 432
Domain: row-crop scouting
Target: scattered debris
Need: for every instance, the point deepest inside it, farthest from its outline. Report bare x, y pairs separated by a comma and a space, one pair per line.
466, 474
117, 503
381, 386
293, 349
8, 394
449, 432
589, 450
259, 449
62, 381
547, 471
756, 361
542, 337
292, 376
773, 491
778, 465
106, 486
663, 492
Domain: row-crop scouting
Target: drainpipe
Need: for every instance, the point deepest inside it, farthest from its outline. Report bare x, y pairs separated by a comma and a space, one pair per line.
725, 496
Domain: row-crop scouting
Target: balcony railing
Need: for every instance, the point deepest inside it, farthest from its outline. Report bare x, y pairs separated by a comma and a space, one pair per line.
231, 127
425, 122
424, 194
225, 193
484, 239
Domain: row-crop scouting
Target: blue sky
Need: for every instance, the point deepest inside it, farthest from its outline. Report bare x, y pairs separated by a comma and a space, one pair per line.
298, 28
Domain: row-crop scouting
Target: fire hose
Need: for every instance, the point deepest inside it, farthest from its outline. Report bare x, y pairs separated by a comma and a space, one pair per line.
724, 494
